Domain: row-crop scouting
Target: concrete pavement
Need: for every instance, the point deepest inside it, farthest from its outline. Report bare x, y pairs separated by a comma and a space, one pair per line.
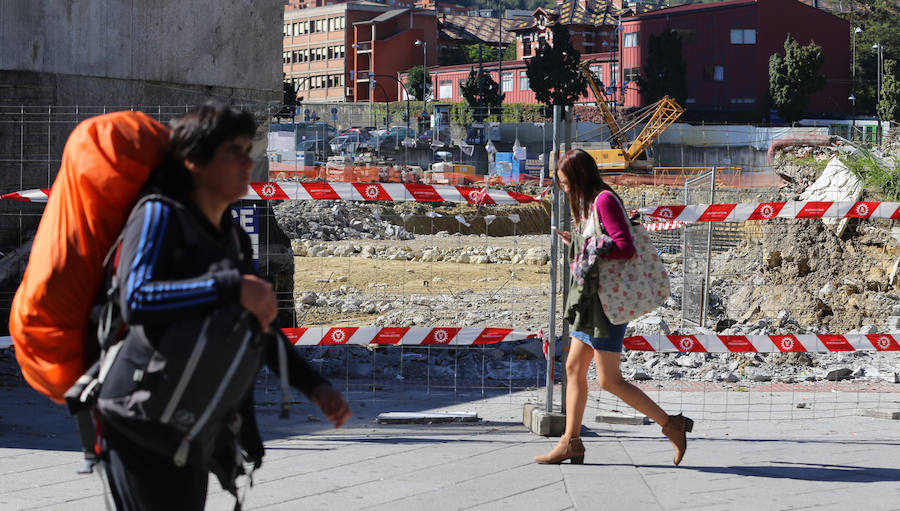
802, 462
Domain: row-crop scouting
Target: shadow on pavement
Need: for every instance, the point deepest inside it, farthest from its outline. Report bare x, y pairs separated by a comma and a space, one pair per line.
804, 472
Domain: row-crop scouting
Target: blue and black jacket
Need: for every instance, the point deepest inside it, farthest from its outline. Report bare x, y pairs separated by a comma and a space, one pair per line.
175, 264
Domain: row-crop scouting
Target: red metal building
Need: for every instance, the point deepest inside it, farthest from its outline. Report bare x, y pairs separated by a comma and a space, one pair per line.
385, 45
727, 47
446, 80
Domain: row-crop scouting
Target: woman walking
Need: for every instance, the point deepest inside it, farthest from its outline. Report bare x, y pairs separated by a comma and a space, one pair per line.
593, 336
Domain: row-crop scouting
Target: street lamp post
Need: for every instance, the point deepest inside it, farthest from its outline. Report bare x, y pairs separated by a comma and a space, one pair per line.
879, 69
424, 46
852, 97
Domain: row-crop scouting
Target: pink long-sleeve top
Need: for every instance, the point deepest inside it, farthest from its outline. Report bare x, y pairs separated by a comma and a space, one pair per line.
612, 216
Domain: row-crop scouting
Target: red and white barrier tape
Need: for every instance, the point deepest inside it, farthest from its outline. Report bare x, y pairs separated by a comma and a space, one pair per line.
416, 336
383, 191
763, 343
768, 210
455, 336
36, 195
663, 226
283, 190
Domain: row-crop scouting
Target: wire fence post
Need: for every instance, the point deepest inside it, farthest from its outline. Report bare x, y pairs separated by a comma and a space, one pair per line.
554, 255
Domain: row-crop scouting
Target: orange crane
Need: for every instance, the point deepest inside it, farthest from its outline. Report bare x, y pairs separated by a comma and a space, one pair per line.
658, 116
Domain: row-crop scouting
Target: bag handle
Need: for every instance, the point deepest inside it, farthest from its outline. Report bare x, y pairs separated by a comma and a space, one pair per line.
598, 226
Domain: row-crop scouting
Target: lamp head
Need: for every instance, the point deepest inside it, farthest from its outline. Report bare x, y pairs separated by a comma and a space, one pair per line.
857, 30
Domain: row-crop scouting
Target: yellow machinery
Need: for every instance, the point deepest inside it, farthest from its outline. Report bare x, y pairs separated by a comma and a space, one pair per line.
658, 116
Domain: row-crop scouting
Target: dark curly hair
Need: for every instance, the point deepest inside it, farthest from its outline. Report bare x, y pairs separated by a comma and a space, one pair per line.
195, 136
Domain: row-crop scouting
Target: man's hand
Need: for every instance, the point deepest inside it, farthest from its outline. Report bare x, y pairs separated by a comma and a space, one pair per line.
258, 297
332, 404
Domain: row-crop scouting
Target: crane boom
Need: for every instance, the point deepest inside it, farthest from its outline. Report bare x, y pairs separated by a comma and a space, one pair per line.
615, 132
667, 112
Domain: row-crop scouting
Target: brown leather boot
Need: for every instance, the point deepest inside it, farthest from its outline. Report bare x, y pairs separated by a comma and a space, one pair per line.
675, 429
567, 449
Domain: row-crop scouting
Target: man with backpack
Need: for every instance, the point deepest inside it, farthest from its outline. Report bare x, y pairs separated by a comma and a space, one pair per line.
174, 384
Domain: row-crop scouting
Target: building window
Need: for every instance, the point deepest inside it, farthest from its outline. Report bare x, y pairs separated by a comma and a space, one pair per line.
526, 45
506, 82
632, 39
743, 36
714, 73
632, 74
589, 39
743, 101
613, 74
286, 30
445, 89
285, 57
523, 81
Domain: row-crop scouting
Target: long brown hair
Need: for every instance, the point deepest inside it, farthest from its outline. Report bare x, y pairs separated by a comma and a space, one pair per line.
585, 182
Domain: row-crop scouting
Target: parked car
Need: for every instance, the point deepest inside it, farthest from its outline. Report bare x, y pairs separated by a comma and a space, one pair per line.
312, 145
343, 144
393, 136
475, 136
362, 133
427, 137
401, 132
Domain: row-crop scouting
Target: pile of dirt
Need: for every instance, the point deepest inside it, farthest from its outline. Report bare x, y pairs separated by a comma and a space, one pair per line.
801, 273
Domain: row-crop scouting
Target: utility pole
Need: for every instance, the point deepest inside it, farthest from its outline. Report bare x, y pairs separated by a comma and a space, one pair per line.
479, 116
500, 52
852, 97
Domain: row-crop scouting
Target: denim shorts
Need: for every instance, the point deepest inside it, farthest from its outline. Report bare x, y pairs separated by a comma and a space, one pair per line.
612, 342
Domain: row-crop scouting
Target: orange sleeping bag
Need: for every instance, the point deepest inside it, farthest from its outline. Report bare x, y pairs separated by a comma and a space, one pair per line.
106, 161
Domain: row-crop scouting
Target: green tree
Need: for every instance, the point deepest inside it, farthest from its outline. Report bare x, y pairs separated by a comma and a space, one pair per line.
889, 102
665, 71
468, 53
418, 82
880, 24
452, 55
793, 77
553, 71
480, 89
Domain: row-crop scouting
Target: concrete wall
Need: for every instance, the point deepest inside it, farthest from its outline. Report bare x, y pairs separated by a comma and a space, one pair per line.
202, 42
99, 55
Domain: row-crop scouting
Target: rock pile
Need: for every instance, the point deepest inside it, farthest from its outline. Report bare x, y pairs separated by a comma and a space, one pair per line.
463, 254
334, 220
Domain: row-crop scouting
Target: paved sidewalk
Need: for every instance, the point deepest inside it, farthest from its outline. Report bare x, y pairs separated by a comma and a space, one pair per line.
842, 462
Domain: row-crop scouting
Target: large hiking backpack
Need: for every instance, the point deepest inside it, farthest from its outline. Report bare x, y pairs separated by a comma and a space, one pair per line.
173, 395
106, 161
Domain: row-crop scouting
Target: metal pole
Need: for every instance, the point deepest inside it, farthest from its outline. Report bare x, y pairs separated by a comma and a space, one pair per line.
566, 226
425, 74
554, 255
709, 226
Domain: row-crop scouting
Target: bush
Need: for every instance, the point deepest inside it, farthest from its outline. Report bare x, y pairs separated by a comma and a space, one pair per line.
882, 182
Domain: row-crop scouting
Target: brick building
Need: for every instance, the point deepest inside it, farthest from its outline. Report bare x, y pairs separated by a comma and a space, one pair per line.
727, 47
329, 51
